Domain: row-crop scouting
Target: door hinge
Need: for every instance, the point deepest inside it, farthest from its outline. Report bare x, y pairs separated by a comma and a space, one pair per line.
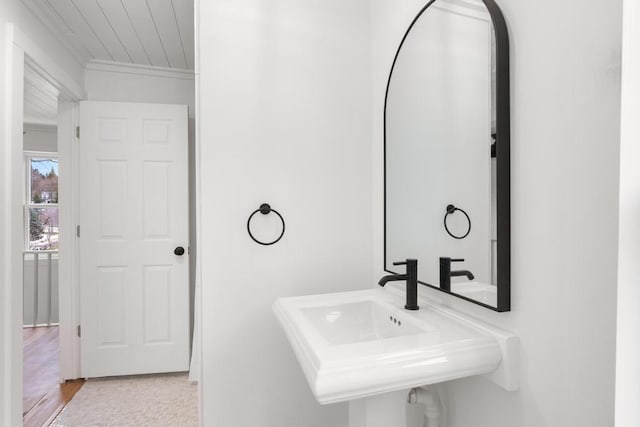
78, 132
79, 332
77, 231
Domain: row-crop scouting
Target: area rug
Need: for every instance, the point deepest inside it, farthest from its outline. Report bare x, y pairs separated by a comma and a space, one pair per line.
148, 400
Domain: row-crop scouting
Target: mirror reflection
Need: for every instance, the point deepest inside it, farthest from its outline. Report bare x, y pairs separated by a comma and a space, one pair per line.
440, 165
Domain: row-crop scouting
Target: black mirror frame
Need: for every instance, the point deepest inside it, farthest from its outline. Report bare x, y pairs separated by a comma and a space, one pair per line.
502, 155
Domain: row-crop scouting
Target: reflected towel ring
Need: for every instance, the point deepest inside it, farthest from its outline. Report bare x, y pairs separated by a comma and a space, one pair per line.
451, 209
265, 209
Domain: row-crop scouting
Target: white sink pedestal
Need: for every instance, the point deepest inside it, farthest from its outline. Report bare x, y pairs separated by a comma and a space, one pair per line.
382, 410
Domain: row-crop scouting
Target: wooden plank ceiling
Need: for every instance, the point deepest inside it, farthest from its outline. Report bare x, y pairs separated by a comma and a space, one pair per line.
155, 33
40, 99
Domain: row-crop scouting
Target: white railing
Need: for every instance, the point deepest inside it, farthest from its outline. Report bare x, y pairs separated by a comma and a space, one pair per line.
40, 288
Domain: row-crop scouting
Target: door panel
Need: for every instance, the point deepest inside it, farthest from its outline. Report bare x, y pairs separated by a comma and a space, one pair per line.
133, 213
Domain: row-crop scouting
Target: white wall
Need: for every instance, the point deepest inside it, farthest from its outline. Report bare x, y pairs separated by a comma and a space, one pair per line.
628, 339
40, 138
565, 61
129, 83
13, 11
284, 119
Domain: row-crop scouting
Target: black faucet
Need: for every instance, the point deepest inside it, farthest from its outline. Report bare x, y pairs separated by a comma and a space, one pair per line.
412, 282
446, 274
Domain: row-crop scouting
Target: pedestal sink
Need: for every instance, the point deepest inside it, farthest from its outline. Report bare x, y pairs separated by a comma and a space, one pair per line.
355, 345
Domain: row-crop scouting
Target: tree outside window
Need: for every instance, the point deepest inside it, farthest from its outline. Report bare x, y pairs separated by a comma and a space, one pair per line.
42, 206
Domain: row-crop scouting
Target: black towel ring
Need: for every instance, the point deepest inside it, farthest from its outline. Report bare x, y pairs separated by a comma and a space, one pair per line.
451, 209
265, 209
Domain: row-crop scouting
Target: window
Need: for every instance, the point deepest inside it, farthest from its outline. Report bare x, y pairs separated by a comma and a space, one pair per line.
41, 209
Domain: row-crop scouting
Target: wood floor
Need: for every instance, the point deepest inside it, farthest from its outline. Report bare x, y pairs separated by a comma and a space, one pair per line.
43, 396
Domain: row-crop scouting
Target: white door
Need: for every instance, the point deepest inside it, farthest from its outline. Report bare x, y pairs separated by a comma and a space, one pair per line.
133, 216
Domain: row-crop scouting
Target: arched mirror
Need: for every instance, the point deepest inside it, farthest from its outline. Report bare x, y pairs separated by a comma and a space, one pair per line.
447, 190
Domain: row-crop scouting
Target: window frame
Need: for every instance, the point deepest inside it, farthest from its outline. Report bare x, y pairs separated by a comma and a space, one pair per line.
27, 203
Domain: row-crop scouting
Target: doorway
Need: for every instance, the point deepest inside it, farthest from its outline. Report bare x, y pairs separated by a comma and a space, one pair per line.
45, 232
43, 393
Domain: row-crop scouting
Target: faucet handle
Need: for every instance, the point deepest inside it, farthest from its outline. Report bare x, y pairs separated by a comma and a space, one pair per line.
458, 260
408, 261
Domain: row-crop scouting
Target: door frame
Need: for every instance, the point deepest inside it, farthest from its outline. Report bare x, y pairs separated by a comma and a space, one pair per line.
20, 50
68, 281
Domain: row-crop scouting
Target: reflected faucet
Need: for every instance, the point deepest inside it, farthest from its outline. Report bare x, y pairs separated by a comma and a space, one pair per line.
411, 277
446, 274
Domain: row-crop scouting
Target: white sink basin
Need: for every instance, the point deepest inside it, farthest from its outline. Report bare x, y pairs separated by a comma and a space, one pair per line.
356, 344
358, 322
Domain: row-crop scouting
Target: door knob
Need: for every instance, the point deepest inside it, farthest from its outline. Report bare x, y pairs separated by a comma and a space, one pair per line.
179, 251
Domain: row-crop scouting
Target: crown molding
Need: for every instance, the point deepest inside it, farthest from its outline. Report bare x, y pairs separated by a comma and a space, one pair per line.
145, 70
